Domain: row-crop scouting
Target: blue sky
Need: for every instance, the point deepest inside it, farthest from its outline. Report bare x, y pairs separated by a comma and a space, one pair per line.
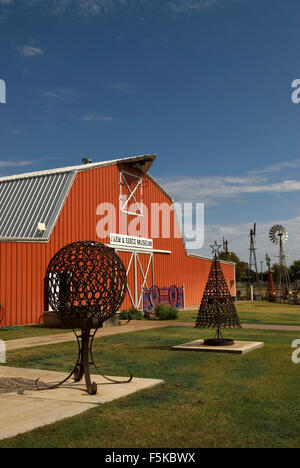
204, 84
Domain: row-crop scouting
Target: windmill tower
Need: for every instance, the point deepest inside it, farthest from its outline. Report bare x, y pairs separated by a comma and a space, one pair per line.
271, 293
253, 259
225, 245
279, 235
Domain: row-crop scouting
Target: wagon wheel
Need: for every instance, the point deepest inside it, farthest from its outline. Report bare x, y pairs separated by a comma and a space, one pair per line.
154, 296
173, 295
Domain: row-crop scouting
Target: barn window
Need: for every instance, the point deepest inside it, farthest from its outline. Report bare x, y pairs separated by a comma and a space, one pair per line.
131, 194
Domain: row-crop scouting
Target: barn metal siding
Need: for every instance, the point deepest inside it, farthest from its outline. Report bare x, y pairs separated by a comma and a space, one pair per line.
178, 268
26, 202
23, 264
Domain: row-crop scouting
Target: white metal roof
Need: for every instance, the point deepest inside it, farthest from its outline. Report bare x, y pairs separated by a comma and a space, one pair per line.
24, 203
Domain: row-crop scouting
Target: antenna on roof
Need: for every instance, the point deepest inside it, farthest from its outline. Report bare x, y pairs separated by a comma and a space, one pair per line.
86, 160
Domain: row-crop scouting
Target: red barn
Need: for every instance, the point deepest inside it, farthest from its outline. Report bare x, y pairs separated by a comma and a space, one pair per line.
43, 211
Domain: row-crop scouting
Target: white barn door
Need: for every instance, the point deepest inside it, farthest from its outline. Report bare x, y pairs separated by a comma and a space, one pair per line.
140, 274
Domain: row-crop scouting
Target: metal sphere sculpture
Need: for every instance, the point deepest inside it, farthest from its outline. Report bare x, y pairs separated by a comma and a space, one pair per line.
86, 284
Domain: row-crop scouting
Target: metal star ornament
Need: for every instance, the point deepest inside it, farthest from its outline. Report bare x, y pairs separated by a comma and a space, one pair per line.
216, 248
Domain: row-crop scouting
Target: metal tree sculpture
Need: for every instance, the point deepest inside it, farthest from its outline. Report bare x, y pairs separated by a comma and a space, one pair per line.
217, 309
86, 284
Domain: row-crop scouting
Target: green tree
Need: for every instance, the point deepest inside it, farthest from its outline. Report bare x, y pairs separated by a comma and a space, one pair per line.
241, 267
276, 272
295, 270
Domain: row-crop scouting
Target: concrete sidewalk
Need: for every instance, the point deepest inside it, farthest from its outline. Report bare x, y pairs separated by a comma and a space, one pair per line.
34, 341
133, 326
25, 409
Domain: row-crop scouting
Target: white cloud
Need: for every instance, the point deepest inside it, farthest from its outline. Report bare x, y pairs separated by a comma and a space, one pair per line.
125, 87
277, 167
91, 8
60, 93
16, 163
97, 117
29, 51
102, 7
238, 237
188, 6
17, 132
214, 188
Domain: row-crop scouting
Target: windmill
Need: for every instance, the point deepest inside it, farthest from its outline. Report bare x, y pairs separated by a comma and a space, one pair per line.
271, 293
279, 236
253, 259
225, 245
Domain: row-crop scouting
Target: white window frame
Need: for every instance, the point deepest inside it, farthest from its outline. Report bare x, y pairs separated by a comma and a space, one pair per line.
124, 206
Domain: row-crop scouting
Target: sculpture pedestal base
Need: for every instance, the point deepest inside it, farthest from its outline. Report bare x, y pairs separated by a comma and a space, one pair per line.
239, 347
218, 342
85, 359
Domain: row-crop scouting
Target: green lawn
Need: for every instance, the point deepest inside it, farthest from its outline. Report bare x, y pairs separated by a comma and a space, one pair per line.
258, 313
208, 400
27, 332
251, 313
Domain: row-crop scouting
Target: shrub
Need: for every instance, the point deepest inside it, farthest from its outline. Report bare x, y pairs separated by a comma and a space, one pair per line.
131, 314
165, 312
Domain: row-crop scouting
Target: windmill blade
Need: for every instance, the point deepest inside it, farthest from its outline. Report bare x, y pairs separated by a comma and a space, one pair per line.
253, 233
285, 236
278, 232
